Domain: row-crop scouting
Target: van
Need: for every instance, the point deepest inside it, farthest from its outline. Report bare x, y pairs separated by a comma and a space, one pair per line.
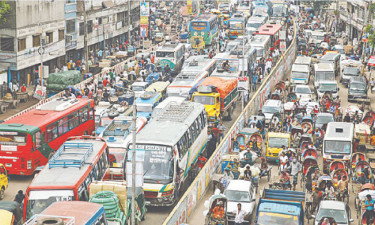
337, 143
323, 72
275, 143
300, 74
357, 89
328, 86
139, 88
303, 60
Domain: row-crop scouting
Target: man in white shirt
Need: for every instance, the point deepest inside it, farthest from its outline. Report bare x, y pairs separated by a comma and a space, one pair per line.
239, 215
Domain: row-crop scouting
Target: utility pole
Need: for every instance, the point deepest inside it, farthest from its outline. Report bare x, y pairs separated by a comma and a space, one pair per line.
134, 136
337, 14
41, 49
129, 20
85, 38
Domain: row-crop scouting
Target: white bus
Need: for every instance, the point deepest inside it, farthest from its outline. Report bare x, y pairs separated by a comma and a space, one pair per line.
199, 63
262, 43
323, 72
169, 147
184, 82
171, 54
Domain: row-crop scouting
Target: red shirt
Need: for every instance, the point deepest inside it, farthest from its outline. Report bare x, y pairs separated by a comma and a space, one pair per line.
202, 160
23, 88
105, 83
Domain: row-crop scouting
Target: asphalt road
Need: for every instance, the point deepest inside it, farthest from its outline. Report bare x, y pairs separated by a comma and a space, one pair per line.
198, 218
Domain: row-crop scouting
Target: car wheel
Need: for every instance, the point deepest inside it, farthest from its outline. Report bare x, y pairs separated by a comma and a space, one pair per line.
2, 193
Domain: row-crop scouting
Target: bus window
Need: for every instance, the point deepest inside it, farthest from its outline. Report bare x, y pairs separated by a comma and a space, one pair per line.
73, 120
38, 139
82, 193
83, 114
52, 132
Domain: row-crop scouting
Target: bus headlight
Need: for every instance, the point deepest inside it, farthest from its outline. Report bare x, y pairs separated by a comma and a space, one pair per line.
29, 164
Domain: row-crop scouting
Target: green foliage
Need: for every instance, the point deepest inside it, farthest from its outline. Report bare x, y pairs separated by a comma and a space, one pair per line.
4, 11
317, 5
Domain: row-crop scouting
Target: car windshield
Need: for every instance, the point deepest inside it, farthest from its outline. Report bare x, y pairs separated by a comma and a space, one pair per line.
270, 109
158, 166
339, 216
138, 88
327, 87
12, 138
204, 100
337, 147
324, 119
266, 218
40, 200
357, 87
351, 71
299, 75
117, 157
303, 90
164, 54
278, 142
237, 196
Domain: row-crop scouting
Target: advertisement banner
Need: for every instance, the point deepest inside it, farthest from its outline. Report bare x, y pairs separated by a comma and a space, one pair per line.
243, 83
180, 217
40, 92
144, 20
189, 7
143, 30
145, 9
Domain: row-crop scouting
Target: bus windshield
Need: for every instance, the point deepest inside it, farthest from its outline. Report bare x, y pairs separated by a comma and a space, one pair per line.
164, 54
324, 76
266, 218
337, 147
204, 100
12, 138
235, 25
158, 166
327, 87
300, 75
40, 200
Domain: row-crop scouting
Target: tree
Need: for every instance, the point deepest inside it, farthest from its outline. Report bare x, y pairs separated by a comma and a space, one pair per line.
318, 4
4, 11
371, 35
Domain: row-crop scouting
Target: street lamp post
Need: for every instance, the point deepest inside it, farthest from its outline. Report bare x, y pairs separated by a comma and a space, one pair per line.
134, 138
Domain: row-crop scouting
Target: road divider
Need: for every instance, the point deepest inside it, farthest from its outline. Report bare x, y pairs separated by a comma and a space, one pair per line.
199, 186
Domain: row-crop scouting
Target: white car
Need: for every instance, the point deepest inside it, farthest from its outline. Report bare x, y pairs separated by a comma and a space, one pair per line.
303, 92
271, 107
139, 88
240, 191
328, 86
337, 210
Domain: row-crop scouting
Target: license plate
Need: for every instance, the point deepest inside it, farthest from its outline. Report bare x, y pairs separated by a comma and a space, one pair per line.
8, 165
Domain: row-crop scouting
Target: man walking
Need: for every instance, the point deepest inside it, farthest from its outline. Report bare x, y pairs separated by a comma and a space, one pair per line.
239, 215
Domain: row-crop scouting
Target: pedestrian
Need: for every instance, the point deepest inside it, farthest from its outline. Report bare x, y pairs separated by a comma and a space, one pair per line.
222, 129
369, 204
211, 143
255, 80
106, 82
239, 215
19, 197
295, 168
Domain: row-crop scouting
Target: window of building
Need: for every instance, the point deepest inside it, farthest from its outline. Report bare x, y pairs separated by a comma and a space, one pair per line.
36, 40
70, 26
100, 21
61, 35
81, 29
89, 26
21, 44
49, 37
7, 44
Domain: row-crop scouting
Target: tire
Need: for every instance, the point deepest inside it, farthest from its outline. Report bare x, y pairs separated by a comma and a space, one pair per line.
3, 109
14, 104
2, 193
50, 221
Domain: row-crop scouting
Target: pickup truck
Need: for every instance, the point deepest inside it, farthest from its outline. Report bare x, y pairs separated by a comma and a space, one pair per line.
279, 207
219, 97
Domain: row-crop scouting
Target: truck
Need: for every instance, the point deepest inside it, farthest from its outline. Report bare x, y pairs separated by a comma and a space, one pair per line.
278, 207
219, 97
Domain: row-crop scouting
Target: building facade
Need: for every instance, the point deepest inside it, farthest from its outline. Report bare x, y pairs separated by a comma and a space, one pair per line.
53, 32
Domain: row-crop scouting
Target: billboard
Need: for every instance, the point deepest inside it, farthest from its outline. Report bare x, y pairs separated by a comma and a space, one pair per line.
145, 9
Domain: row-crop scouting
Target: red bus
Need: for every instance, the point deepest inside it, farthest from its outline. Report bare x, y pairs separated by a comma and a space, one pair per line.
272, 30
68, 174
29, 140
